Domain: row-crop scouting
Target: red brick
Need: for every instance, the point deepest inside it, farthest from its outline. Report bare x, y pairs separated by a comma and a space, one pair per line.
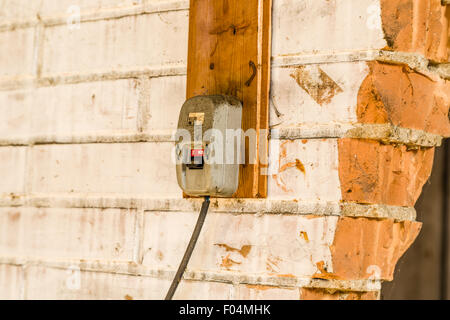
416, 26
373, 173
324, 294
396, 94
366, 248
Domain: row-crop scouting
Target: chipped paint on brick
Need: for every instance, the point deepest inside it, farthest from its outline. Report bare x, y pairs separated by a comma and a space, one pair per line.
12, 281
395, 94
416, 26
326, 294
261, 292
298, 243
316, 83
304, 235
242, 244
373, 173
244, 251
323, 273
327, 94
306, 171
361, 245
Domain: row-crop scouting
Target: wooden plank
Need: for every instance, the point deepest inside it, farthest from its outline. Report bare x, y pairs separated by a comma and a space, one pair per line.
229, 53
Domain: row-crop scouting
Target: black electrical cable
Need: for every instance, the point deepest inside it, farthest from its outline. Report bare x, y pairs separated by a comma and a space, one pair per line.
189, 249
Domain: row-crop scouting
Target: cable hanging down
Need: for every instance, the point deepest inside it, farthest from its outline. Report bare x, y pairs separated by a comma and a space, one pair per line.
190, 248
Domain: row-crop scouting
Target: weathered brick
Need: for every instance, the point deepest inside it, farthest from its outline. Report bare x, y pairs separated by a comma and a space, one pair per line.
317, 26
57, 233
202, 290
61, 7
72, 284
258, 292
306, 170
448, 33
369, 248
11, 282
125, 44
17, 53
166, 97
371, 172
317, 93
128, 168
74, 109
323, 294
396, 94
353, 92
240, 243
416, 26
18, 10
12, 169
62, 11
286, 246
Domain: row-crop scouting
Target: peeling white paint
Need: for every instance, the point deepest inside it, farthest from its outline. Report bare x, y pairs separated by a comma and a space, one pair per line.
333, 24
244, 244
78, 50
298, 107
320, 179
102, 161
67, 233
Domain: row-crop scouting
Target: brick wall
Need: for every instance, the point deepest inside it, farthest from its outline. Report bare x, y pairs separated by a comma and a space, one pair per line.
89, 204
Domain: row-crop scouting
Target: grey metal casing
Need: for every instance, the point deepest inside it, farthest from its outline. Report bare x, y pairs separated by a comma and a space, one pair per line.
220, 118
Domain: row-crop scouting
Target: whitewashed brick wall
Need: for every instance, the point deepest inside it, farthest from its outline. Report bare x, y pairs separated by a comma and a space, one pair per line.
73, 104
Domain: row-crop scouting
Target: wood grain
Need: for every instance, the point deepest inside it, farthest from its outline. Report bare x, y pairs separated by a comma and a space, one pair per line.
228, 41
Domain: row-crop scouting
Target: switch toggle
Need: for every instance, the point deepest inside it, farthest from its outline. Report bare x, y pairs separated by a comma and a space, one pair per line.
197, 159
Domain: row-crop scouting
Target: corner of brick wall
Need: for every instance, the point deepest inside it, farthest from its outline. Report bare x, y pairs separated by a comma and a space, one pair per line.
89, 204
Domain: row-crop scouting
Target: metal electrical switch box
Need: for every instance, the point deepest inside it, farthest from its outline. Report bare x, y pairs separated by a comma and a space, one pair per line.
209, 146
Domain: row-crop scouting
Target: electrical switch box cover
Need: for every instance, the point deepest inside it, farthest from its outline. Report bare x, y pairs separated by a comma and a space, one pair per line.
209, 146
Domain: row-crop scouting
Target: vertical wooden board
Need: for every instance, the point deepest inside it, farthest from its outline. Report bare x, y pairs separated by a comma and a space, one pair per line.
229, 53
